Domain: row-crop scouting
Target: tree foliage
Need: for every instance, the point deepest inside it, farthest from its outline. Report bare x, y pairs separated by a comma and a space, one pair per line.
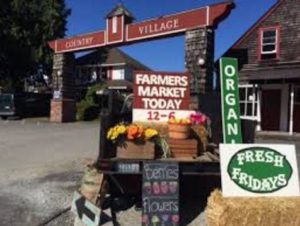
26, 26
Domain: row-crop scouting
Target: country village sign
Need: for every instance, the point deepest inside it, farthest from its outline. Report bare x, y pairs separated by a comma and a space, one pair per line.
197, 25
121, 31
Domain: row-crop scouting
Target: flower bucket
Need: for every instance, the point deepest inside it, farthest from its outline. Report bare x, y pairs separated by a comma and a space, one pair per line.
179, 131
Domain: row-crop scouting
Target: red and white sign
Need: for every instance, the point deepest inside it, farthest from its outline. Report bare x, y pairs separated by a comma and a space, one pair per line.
176, 23
160, 95
127, 33
81, 42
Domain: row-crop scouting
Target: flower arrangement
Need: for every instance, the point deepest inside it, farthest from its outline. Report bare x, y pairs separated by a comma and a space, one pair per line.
201, 125
132, 132
198, 118
180, 121
203, 120
138, 134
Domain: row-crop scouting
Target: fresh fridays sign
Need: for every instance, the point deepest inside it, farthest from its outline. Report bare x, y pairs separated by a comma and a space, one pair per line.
160, 95
230, 101
259, 170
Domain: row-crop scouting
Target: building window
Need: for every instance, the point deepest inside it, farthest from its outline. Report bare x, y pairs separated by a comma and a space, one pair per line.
118, 74
114, 24
269, 43
249, 101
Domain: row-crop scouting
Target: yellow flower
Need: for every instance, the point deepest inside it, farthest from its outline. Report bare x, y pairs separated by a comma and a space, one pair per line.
115, 135
149, 133
109, 133
115, 131
121, 129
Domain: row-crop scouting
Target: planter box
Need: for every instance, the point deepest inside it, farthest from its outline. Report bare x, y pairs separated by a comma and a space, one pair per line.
183, 148
131, 150
177, 154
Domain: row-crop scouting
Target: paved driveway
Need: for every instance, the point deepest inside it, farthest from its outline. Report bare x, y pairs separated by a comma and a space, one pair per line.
33, 145
40, 166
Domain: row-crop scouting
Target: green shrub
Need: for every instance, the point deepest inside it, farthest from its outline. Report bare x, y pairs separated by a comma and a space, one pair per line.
87, 109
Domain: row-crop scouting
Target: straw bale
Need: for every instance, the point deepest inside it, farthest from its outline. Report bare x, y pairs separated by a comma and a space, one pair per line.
265, 211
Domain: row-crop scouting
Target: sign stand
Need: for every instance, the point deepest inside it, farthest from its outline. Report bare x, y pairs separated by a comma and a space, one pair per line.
160, 194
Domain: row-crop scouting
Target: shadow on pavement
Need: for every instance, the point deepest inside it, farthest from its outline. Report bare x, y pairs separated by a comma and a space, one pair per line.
194, 193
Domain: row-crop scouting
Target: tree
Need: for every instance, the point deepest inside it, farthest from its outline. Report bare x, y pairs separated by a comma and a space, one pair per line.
26, 26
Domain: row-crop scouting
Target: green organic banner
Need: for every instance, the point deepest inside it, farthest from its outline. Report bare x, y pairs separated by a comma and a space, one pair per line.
230, 101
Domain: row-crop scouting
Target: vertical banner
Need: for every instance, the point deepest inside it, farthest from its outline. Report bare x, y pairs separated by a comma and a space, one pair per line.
160, 194
230, 101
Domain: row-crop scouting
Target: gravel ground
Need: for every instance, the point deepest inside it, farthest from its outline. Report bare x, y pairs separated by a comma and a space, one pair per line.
33, 201
40, 166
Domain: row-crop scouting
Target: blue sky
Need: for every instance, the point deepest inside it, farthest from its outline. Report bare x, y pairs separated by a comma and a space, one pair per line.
166, 54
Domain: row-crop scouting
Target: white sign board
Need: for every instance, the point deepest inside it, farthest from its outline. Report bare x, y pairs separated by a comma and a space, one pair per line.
142, 115
159, 96
259, 170
87, 212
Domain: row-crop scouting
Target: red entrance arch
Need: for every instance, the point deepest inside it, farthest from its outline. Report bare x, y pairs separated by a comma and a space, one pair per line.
121, 31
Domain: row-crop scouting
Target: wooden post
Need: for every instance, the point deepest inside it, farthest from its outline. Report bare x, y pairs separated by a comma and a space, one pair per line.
291, 129
258, 110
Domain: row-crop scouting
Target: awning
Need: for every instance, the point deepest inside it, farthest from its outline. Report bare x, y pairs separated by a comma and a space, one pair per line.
269, 74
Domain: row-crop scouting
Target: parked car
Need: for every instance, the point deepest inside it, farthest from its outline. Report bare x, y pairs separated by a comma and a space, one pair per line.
22, 105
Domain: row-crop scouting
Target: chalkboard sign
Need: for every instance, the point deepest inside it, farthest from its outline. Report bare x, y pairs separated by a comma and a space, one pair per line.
160, 194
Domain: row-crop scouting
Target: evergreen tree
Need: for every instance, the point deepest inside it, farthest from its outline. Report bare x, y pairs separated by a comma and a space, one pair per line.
26, 26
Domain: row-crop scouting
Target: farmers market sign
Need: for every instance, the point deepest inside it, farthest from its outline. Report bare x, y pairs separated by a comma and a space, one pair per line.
160, 95
230, 101
259, 169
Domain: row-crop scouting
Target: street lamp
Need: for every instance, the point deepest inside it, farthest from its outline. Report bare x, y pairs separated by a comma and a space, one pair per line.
201, 61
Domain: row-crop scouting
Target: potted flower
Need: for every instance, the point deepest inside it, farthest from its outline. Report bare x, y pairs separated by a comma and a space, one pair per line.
179, 128
201, 127
133, 141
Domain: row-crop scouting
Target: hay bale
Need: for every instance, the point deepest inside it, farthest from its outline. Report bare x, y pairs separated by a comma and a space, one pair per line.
91, 184
222, 211
201, 134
